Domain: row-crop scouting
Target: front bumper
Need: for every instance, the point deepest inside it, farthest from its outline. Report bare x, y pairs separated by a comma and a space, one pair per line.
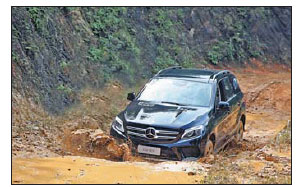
179, 150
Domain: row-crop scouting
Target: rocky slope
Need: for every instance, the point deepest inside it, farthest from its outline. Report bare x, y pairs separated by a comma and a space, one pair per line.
57, 51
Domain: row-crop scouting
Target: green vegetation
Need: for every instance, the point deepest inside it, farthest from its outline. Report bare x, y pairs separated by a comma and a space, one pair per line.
64, 89
15, 57
107, 20
163, 60
64, 64
116, 46
167, 31
237, 44
38, 17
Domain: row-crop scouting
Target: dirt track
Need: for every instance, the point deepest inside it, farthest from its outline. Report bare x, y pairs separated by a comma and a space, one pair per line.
260, 158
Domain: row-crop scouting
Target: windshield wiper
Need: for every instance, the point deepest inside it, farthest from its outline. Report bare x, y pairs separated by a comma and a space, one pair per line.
174, 103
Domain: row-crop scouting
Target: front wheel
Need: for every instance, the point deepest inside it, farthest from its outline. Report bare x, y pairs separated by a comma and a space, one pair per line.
208, 150
239, 134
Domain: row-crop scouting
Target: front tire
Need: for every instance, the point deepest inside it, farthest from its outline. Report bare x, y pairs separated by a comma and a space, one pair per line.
208, 150
239, 134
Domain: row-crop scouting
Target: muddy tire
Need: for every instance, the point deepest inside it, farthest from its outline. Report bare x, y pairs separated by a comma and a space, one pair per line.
208, 150
239, 134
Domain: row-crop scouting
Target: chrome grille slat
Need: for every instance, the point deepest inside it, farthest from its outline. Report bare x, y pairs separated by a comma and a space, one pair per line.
136, 134
167, 132
165, 137
160, 134
135, 128
157, 137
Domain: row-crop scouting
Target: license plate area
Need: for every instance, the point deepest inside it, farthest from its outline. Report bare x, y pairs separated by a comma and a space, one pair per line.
149, 150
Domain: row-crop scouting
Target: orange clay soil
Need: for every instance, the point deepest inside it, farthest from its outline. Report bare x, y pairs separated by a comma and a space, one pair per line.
63, 170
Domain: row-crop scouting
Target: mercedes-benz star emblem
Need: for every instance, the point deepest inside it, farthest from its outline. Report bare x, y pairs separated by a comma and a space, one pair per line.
150, 133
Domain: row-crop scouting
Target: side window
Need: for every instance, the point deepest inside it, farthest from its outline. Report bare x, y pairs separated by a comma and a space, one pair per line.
226, 89
235, 84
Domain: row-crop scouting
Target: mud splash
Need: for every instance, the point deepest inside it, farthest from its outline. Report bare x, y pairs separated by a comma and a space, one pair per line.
95, 143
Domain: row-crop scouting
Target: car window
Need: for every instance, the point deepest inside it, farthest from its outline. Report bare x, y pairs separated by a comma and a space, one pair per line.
226, 89
234, 84
178, 91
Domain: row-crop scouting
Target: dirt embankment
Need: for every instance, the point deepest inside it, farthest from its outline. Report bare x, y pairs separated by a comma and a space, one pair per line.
264, 156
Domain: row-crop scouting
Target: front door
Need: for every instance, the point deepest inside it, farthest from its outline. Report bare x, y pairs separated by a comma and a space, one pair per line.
221, 119
226, 118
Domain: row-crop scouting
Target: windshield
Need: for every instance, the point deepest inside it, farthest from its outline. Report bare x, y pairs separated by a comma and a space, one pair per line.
183, 92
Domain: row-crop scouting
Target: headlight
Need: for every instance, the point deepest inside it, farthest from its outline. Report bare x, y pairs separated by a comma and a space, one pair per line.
193, 132
118, 124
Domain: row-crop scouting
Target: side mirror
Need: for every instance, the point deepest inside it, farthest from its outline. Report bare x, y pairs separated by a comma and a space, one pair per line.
224, 105
131, 96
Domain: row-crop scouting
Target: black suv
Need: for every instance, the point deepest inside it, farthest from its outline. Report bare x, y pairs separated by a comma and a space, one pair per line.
183, 113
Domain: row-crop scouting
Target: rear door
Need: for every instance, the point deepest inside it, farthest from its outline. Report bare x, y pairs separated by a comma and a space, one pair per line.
235, 101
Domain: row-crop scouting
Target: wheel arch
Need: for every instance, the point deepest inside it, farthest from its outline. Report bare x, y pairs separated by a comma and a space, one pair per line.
212, 137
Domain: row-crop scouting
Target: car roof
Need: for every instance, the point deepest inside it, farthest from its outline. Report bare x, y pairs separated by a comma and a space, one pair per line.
190, 73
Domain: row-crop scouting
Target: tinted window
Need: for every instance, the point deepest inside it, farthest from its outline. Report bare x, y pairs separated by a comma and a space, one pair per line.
176, 90
235, 84
226, 89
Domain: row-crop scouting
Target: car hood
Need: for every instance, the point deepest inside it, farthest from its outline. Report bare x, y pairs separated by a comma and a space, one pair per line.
162, 115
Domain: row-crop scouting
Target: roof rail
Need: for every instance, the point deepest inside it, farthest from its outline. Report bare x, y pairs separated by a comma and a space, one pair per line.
219, 73
172, 67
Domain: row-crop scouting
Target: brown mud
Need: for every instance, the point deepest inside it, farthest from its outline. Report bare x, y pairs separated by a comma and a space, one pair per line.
264, 155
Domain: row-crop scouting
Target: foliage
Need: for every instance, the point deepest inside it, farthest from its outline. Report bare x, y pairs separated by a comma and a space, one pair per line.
107, 20
64, 64
117, 47
64, 89
165, 30
163, 60
237, 44
14, 57
38, 17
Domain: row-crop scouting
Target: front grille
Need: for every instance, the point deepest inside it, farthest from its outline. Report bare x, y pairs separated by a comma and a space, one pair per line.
160, 135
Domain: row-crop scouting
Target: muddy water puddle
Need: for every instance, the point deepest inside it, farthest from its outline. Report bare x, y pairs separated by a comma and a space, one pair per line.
72, 170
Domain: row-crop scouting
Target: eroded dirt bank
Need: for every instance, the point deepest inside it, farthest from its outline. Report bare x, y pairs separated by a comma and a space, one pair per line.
264, 156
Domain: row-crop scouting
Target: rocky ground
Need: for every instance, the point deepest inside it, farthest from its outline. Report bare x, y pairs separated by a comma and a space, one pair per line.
79, 149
